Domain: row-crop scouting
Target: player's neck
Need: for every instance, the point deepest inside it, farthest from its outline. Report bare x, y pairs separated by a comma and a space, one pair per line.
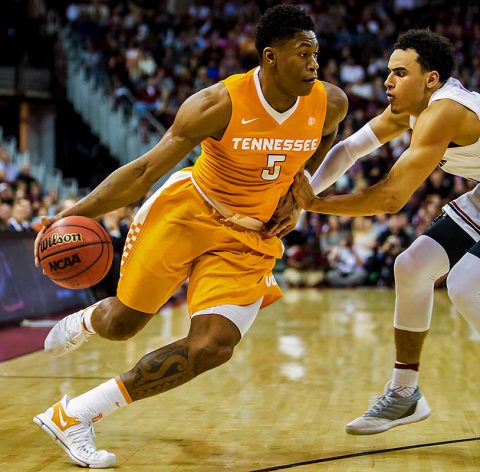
278, 99
424, 104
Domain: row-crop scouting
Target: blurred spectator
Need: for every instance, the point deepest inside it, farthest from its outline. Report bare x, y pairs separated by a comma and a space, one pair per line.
364, 237
7, 194
25, 177
8, 169
439, 183
350, 72
385, 260
331, 234
346, 266
397, 226
5, 215
21, 216
304, 261
35, 195
146, 64
150, 98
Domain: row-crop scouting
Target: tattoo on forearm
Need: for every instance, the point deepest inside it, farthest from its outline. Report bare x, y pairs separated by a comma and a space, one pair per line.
159, 371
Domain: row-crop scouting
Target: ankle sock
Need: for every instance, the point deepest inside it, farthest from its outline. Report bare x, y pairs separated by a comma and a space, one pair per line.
99, 402
87, 318
404, 379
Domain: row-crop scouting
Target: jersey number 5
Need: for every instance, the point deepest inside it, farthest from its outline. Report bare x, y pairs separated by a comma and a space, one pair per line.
272, 171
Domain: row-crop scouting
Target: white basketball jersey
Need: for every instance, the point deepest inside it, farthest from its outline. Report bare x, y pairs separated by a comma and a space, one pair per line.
462, 160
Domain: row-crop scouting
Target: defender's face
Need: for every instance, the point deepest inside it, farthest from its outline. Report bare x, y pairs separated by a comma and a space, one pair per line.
406, 83
296, 64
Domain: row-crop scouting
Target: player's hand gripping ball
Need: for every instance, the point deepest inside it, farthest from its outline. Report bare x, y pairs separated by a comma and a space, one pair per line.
75, 252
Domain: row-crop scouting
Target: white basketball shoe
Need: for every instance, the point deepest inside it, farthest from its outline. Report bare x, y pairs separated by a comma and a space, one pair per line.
74, 436
391, 410
67, 335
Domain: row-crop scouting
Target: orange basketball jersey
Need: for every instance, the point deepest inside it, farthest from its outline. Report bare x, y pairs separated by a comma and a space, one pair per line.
254, 163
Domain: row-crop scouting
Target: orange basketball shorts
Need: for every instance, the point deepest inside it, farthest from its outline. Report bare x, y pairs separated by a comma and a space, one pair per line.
177, 236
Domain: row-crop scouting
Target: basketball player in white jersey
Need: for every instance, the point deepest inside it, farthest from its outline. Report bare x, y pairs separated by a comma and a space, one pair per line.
444, 117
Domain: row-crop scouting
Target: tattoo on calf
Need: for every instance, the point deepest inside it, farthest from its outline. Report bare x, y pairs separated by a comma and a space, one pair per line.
160, 371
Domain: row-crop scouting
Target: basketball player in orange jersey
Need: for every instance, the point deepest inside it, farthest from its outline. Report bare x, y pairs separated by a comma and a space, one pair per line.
207, 224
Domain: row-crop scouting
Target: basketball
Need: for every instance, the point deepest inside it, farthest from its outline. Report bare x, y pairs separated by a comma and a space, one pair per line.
75, 252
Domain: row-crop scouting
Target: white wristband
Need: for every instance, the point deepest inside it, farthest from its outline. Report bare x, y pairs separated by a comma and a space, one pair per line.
342, 156
308, 175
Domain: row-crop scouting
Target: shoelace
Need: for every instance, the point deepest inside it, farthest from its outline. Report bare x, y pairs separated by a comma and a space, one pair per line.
384, 401
74, 337
83, 438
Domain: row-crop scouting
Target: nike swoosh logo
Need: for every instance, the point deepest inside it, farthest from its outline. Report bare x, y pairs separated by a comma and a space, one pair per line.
244, 121
61, 419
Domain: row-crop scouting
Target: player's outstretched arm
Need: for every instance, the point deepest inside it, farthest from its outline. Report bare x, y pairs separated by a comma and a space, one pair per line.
204, 114
430, 139
344, 154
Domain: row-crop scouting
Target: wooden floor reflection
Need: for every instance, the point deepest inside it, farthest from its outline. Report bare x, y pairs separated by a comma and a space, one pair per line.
306, 368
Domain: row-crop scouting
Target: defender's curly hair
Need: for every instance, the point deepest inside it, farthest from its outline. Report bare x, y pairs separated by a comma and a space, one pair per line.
435, 52
280, 22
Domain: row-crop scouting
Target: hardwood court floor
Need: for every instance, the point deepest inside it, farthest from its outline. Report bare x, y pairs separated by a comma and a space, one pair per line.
307, 367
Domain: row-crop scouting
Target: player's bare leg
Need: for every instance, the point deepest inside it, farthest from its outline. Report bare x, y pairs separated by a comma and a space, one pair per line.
416, 271
209, 344
109, 318
113, 320
399, 404
408, 345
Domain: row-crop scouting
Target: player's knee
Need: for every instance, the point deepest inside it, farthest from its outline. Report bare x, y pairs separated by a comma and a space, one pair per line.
458, 290
120, 328
412, 268
405, 269
116, 330
115, 321
211, 353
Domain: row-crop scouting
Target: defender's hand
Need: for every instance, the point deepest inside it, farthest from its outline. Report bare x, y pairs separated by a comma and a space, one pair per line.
285, 217
302, 191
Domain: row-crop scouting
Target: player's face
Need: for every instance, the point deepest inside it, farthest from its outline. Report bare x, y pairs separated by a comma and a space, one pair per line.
406, 83
296, 63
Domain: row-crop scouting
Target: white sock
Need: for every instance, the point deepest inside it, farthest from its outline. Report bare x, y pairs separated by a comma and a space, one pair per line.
99, 402
87, 318
404, 380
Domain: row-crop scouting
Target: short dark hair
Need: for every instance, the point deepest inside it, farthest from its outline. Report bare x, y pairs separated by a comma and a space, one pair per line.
280, 22
435, 52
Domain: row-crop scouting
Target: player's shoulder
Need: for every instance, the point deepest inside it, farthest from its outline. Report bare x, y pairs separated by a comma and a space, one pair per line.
445, 105
335, 95
444, 110
337, 105
237, 79
214, 98
206, 112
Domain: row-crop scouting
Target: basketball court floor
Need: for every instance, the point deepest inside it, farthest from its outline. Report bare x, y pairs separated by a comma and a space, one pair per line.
308, 366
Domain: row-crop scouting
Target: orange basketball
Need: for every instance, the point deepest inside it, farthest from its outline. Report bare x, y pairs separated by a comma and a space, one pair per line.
76, 252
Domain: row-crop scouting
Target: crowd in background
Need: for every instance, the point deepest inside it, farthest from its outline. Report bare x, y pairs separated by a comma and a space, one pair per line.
162, 57
23, 202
